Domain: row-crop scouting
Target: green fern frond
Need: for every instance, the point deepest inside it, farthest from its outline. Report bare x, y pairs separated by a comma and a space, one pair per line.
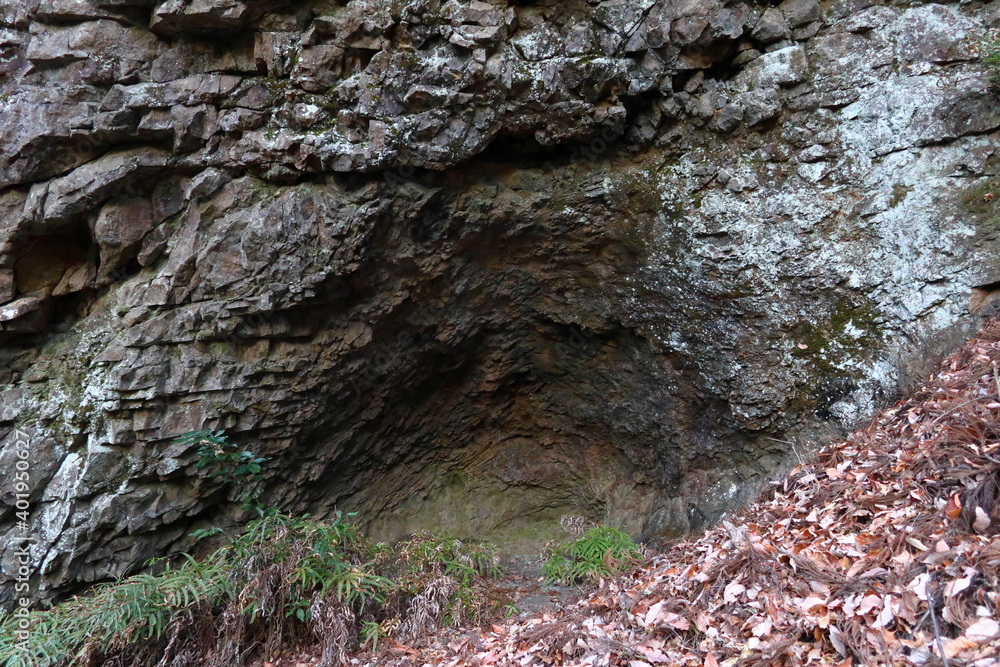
588, 556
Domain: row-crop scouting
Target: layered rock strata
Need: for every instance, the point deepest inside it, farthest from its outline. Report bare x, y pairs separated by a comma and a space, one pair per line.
468, 265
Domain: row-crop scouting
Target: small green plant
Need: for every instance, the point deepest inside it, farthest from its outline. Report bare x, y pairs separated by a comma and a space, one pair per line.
312, 559
219, 458
439, 578
373, 632
599, 552
992, 55
114, 616
425, 552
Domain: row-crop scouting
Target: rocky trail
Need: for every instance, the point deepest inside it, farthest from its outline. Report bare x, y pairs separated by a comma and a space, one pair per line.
531, 596
521, 584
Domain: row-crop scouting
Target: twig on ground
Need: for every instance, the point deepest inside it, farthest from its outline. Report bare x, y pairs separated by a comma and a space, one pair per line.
934, 621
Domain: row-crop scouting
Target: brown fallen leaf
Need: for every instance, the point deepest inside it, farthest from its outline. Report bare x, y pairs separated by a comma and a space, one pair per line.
957, 645
401, 648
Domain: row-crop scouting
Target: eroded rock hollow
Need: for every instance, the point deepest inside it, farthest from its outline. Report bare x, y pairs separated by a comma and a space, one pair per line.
468, 266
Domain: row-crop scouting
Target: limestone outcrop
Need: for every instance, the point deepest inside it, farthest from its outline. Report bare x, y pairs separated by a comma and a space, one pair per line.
469, 265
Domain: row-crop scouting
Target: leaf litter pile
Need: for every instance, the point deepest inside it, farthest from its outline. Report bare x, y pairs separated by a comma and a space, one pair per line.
883, 550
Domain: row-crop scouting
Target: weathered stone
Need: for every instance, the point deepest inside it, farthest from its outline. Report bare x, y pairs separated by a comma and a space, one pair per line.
760, 105
125, 51
201, 187
743, 57
94, 183
471, 37
274, 52
785, 67
77, 277
192, 126
869, 18
727, 119
807, 31
67, 10
17, 13
319, 67
156, 124
937, 34
119, 229
798, 12
174, 16
19, 308
771, 27
6, 285
539, 43
729, 22
688, 29
526, 295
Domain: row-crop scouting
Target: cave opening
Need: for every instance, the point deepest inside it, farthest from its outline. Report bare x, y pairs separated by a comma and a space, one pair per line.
495, 439
498, 390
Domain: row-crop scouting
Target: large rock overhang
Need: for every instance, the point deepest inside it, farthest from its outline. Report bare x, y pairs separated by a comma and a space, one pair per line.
469, 266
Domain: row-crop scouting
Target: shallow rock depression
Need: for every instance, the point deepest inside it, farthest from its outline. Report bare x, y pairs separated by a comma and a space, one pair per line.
468, 266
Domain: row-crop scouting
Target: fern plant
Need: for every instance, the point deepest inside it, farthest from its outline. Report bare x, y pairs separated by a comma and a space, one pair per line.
425, 552
423, 560
312, 559
600, 551
373, 632
283, 577
115, 616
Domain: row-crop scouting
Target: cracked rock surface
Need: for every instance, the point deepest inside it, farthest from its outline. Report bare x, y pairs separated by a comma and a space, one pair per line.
466, 265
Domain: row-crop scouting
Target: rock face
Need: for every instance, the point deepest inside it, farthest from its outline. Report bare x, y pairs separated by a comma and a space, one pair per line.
468, 265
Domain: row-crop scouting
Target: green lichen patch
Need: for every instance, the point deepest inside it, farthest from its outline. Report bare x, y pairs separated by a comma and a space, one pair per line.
640, 190
833, 349
520, 519
981, 204
899, 192
638, 199
636, 232
850, 332
983, 197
